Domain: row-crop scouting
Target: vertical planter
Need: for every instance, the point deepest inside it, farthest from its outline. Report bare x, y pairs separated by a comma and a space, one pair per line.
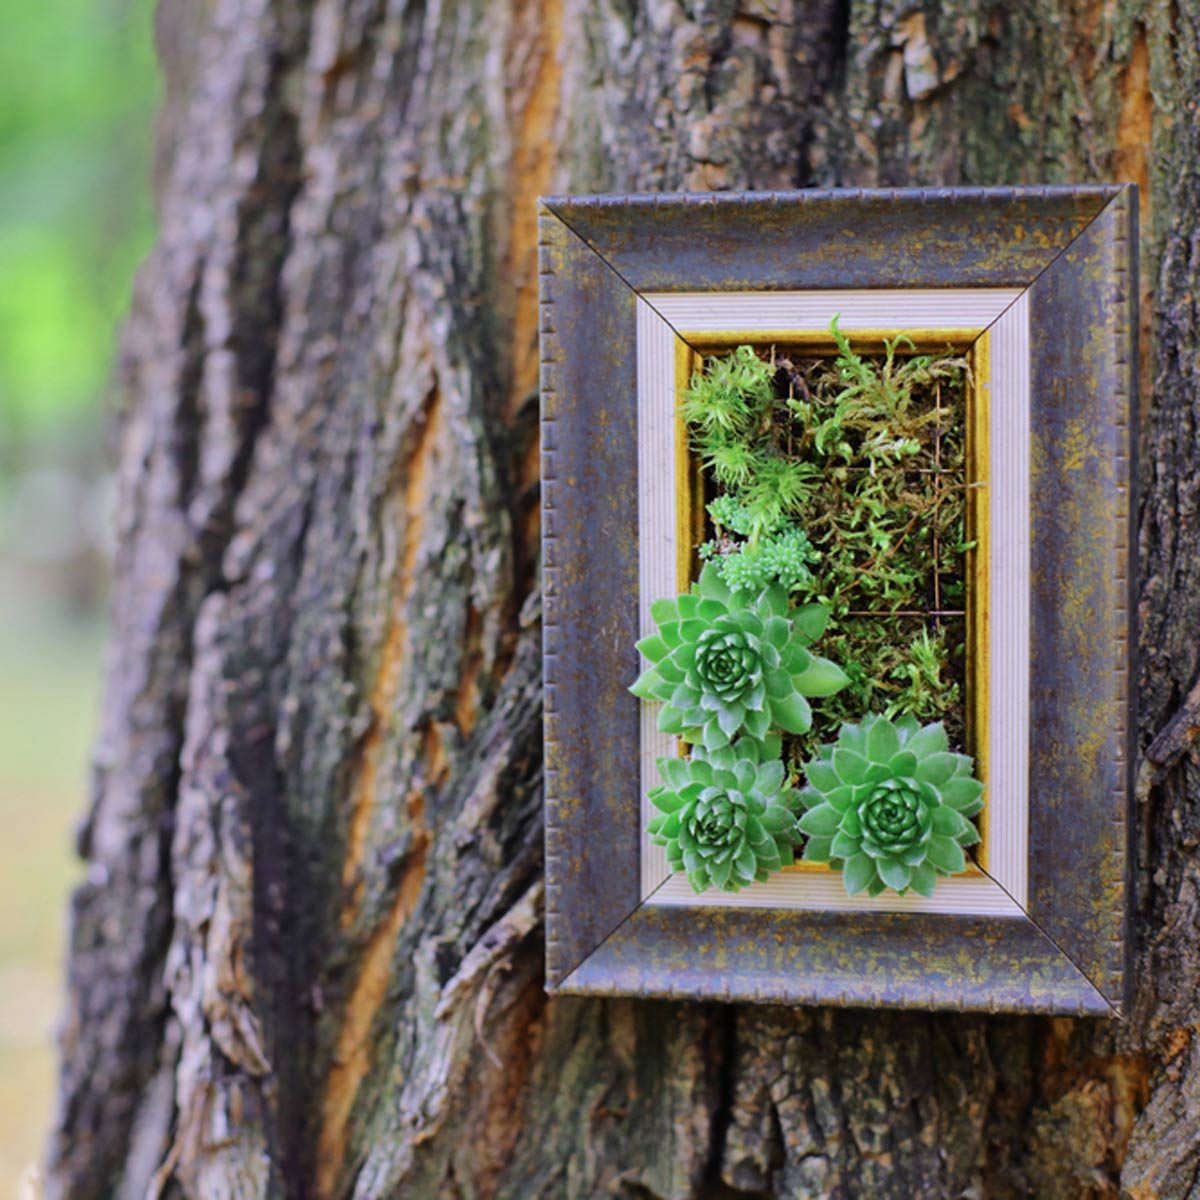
1034, 288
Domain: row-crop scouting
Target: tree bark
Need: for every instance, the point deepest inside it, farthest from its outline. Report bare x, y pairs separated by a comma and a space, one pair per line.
307, 959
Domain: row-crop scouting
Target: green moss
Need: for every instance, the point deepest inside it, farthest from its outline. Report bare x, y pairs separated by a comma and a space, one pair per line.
843, 477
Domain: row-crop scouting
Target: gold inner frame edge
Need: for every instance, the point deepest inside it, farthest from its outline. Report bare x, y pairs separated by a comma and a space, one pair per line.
689, 509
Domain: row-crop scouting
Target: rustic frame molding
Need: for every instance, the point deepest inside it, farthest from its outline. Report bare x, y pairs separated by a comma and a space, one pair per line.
1068, 255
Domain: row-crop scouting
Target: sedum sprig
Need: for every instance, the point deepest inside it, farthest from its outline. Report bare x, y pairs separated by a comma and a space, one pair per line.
725, 662
726, 816
775, 553
888, 804
780, 558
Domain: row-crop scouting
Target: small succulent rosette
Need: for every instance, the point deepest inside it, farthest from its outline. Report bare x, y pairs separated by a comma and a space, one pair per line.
725, 663
726, 816
889, 803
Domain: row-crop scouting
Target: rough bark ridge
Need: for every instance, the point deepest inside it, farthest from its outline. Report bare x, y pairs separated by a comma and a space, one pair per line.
306, 961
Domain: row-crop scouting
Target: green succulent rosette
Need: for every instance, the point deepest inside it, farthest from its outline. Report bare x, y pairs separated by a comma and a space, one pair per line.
726, 816
725, 663
889, 803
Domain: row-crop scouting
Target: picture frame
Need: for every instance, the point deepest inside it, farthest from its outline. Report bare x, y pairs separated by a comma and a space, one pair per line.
1038, 286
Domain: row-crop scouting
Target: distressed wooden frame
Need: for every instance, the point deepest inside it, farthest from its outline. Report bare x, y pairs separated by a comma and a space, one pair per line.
611, 266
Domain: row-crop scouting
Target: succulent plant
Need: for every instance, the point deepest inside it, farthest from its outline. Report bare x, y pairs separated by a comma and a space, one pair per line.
781, 558
726, 816
728, 662
889, 802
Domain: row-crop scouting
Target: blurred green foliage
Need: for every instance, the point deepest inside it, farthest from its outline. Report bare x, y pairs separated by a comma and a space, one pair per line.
78, 89
78, 92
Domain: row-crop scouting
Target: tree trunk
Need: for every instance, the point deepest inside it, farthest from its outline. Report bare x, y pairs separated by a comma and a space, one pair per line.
307, 959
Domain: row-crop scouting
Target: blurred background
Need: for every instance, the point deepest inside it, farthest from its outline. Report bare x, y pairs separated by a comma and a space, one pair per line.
78, 91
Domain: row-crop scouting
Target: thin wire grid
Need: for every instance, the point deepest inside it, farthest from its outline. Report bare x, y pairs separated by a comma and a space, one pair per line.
937, 613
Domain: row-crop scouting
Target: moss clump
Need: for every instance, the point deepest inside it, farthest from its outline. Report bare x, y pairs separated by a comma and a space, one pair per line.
843, 478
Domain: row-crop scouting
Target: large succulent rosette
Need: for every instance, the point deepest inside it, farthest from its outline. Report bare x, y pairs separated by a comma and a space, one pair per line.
725, 663
726, 816
889, 803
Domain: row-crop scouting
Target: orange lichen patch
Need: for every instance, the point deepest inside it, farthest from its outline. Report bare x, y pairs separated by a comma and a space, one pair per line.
1019, 117
352, 1056
1131, 163
515, 1040
1135, 122
529, 467
537, 87
1116, 1087
436, 766
1129, 1084
1139, 1191
466, 698
430, 427
362, 800
1178, 1042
